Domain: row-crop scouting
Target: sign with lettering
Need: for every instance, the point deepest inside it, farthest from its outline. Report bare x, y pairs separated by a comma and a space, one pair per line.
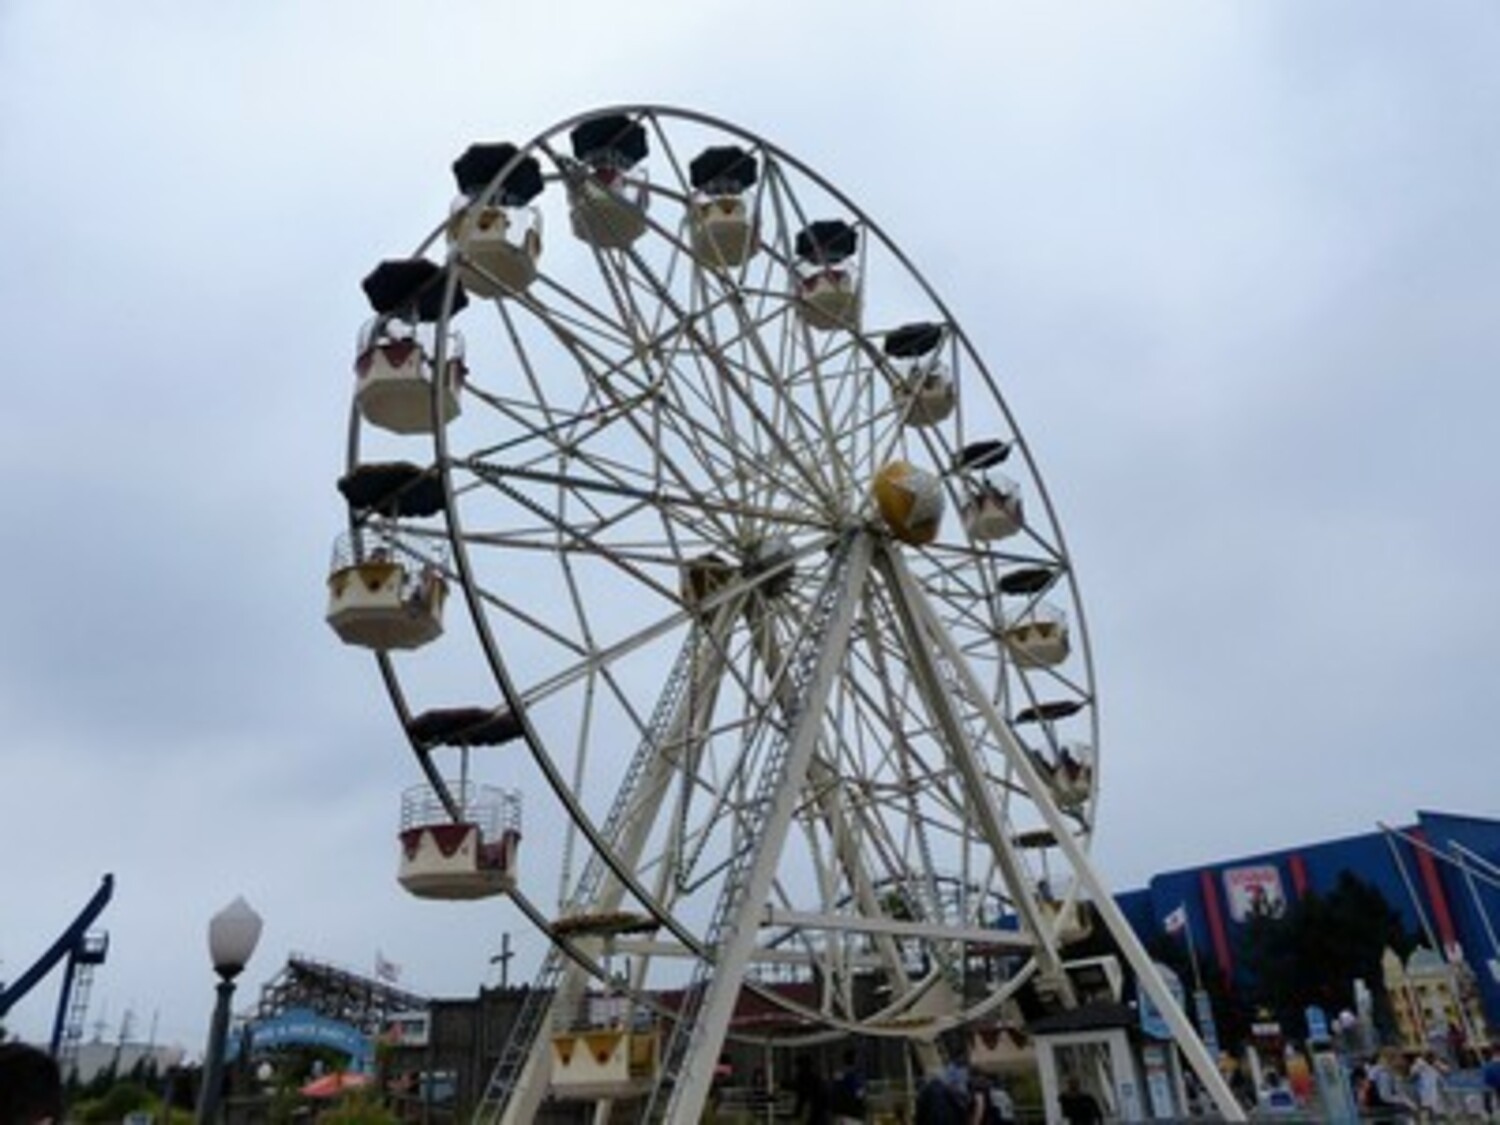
304, 1026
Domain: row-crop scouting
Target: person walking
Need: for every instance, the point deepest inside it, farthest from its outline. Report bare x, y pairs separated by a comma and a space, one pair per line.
847, 1099
1078, 1106
943, 1099
1489, 1074
1385, 1099
1429, 1084
811, 1092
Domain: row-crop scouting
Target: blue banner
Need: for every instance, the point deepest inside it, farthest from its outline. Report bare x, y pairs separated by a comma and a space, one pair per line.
303, 1026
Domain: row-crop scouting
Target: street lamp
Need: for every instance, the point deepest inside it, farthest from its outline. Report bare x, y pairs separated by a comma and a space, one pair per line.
232, 934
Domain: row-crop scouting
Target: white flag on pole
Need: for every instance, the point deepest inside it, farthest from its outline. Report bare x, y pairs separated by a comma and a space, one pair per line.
386, 970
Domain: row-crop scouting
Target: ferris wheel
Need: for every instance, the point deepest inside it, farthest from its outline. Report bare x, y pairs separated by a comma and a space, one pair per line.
681, 504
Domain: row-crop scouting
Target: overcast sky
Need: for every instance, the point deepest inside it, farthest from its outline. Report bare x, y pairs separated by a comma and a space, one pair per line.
1238, 266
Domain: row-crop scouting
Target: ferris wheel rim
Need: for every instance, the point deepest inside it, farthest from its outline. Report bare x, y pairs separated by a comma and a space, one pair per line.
512, 695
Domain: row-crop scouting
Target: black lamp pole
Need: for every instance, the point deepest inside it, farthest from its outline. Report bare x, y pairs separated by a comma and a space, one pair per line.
213, 1062
232, 934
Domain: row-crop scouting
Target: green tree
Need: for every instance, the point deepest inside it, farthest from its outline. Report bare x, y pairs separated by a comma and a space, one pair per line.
1313, 952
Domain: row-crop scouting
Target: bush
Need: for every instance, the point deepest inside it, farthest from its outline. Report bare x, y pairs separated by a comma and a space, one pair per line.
115, 1103
361, 1108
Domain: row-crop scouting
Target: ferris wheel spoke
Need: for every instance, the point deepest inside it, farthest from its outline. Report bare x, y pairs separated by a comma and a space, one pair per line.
770, 427
917, 620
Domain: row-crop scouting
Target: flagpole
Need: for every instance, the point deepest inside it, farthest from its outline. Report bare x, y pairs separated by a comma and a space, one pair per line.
1193, 957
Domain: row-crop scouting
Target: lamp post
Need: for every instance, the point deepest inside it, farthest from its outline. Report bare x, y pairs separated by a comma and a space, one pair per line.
232, 934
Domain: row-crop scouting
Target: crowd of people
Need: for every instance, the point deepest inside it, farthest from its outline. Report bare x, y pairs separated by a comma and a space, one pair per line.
1387, 1087
955, 1097
1390, 1085
950, 1097
1384, 1088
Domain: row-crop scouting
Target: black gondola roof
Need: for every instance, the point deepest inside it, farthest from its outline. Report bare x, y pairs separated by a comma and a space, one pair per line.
1028, 579
981, 454
481, 163
827, 240
726, 165
613, 133
1034, 838
1050, 712
393, 488
912, 340
464, 726
410, 286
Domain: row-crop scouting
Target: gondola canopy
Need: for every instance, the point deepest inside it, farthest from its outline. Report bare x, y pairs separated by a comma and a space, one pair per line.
912, 340
481, 163
723, 169
1027, 580
827, 240
410, 286
464, 726
981, 455
394, 489
614, 136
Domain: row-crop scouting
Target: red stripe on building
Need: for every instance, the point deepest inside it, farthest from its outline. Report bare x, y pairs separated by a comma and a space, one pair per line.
1299, 874
1434, 889
1210, 888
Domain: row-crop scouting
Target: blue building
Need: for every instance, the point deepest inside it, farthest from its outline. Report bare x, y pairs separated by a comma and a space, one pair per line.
1441, 874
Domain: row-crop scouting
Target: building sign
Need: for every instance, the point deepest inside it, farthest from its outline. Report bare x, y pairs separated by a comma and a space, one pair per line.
1153, 1023
305, 1027
408, 1029
1254, 890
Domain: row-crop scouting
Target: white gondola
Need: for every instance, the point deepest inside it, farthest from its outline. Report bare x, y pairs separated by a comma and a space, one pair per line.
471, 857
382, 598
607, 1052
924, 392
608, 209
993, 509
1072, 921
498, 247
1073, 777
828, 293
829, 298
604, 1062
1070, 777
722, 228
926, 398
494, 230
395, 372
1071, 918
607, 192
1039, 638
721, 220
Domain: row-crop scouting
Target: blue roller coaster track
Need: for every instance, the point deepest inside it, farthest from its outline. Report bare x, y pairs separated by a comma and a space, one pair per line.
77, 947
